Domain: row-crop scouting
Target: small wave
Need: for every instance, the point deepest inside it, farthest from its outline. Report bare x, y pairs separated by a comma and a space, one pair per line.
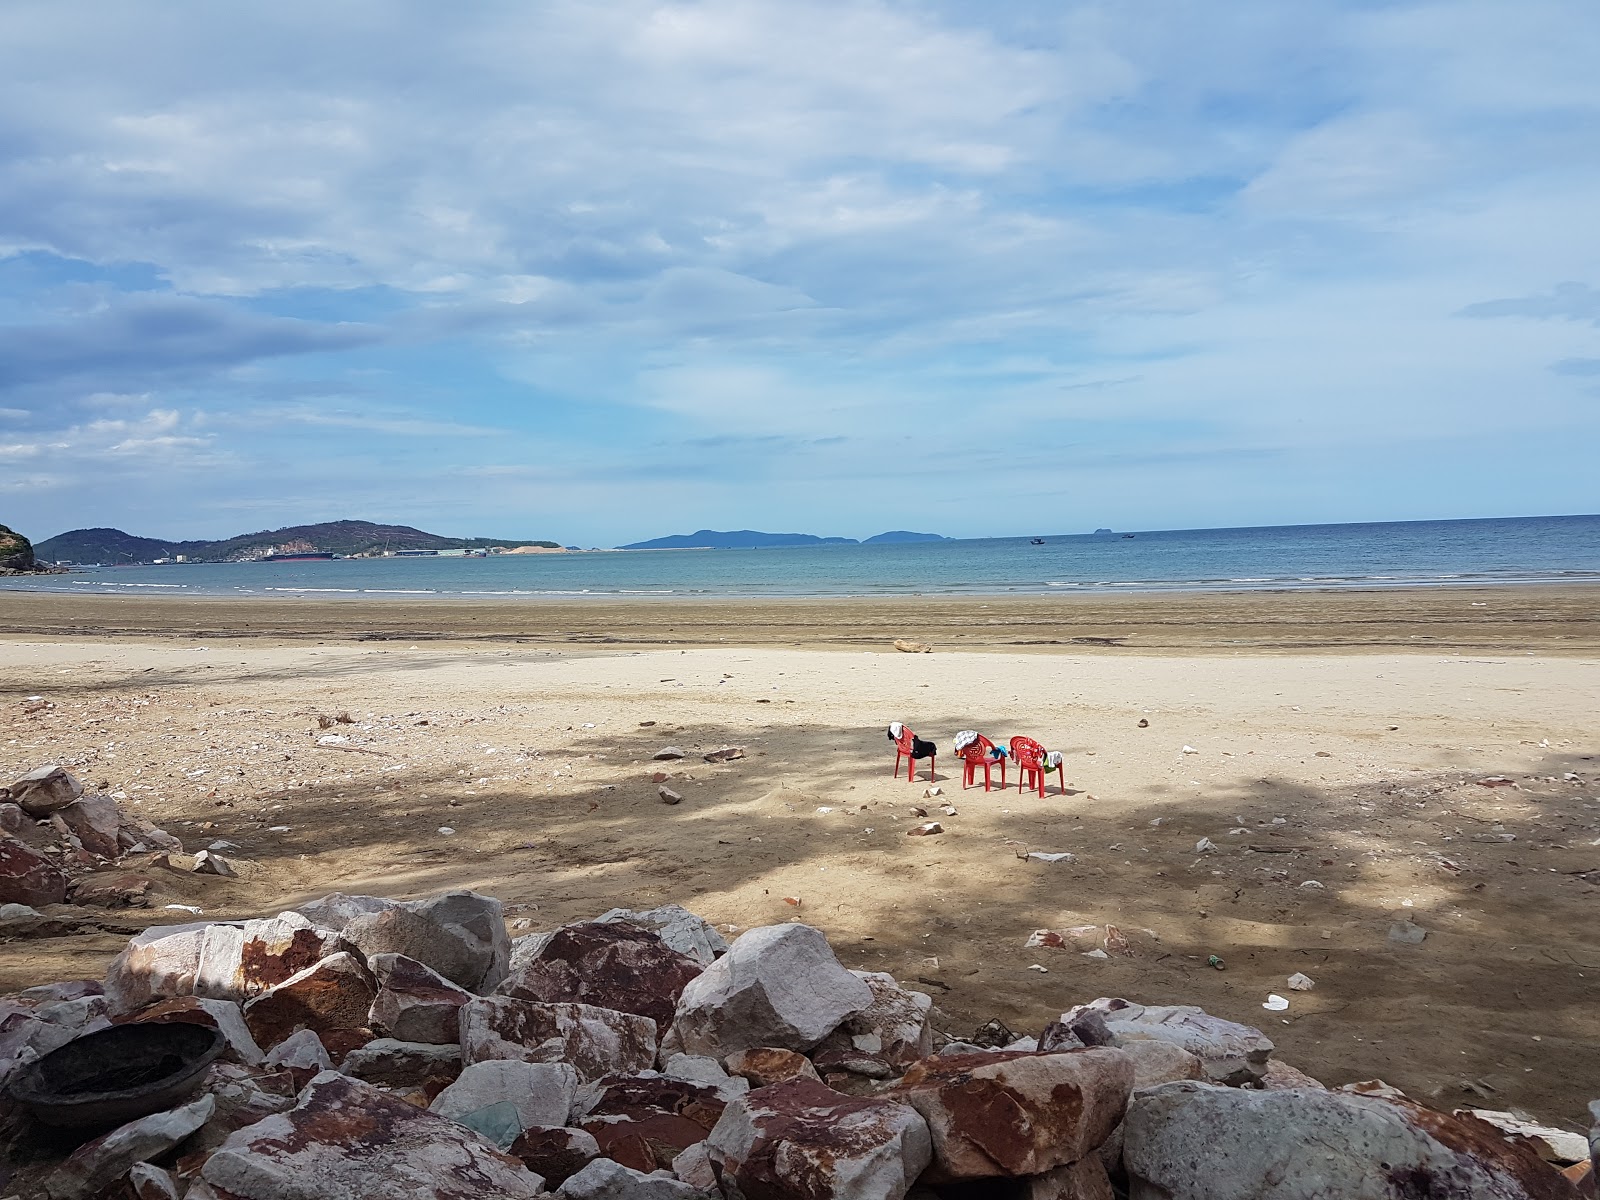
310, 589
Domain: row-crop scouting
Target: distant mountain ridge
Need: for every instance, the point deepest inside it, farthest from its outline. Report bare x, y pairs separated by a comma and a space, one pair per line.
112, 546
754, 539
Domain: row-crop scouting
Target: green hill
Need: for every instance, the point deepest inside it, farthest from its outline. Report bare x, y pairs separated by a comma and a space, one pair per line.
330, 537
16, 552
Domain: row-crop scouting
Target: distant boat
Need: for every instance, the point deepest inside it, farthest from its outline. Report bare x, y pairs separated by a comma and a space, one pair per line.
309, 556
1127, 535
1036, 541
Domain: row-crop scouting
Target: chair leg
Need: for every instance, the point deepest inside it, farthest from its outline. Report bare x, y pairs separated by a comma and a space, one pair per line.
933, 763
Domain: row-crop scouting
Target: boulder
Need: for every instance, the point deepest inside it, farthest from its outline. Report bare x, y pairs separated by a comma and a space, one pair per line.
764, 1066
884, 1038
554, 1152
221, 1015
333, 994
45, 790
1083, 1180
800, 1141
146, 1182
94, 820
1231, 1053
347, 1140
112, 889
603, 1179
243, 1097
780, 985
302, 1051
646, 1120
1011, 1114
393, 1063
1279, 1076
541, 1093
679, 928
414, 1003
697, 1068
461, 934
94, 1167
1162, 1062
694, 1167
614, 964
480, 924
28, 877
596, 1041
1203, 1142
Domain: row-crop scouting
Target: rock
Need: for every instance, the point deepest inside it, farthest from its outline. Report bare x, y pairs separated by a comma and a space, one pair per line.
596, 1041
679, 928
926, 829
93, 1168
1407, 934
668, 754
554, 1152
725, 754
480, 924
541, 1093
613, 964
800, 1140
1552, 1145
646, 1120
1082, 1180
302, 1050
694, 1167
28, 877
333, 994
392, 1063
1156, 1062
1014, 1114
461, 935
1279, 1076
137, 834
152, 1183
603, 1179
243, 1098
94, 820
45, 790
12, 819
414, 1003
1232, 1054
1210, 1143
207, 863
780, 985
697, 1068
906, 646
893, 1030
668, 796
346, 1140
120, 889
764, 1066
221, 1015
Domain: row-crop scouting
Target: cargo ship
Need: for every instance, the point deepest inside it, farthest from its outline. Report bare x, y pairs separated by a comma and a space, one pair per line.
308, 556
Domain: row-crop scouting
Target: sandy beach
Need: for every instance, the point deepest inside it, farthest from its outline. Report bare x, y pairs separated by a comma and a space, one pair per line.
1346, 755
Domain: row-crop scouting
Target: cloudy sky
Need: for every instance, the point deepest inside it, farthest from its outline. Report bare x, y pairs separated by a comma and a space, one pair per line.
603, 271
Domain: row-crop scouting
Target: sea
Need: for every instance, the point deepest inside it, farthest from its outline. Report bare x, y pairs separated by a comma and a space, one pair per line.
1512, 550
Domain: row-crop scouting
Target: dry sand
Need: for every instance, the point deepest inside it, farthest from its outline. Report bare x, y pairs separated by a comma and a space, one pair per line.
1347, 755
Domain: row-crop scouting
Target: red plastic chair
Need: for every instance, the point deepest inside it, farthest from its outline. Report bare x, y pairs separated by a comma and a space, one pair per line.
902, 749
981, 754
1029, 756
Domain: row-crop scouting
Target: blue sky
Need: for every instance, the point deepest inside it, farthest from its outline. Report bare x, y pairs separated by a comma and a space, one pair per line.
601, 272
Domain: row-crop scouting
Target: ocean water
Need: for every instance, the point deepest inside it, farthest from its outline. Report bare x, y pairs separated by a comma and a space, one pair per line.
1390, 554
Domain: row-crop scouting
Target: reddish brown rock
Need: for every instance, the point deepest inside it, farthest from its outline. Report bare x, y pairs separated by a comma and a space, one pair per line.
767, 1065
346, 1139
802, 1141
333, 994
94, 821
1011, 1114
112, 890
1278, 1077
596, 1041
415, 1003
28, 877
45, 790
646, 1120
615, 965
555, 1152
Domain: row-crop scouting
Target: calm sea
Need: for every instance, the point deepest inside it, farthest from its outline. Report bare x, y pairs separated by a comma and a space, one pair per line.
1393, 554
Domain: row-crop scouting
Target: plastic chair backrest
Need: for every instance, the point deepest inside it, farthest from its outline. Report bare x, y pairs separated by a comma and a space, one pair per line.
979, 750
1026, 752
903, 742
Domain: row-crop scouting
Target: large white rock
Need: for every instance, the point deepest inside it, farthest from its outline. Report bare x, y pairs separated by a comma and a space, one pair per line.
480, 923
604, 1179
461, 935
541, 1092
303, 1050
780, 985
1231, 1053
347, 1140
596, 1041
678, 928
1203, 1142
799, 1140
93, 1168
892, 1031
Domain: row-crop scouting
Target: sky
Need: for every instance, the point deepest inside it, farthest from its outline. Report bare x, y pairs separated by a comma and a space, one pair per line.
602, 272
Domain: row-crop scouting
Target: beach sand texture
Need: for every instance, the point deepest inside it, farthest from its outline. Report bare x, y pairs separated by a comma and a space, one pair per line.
1332, 744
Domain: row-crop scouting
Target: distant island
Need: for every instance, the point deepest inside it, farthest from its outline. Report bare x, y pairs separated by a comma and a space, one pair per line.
352, 539
753, 539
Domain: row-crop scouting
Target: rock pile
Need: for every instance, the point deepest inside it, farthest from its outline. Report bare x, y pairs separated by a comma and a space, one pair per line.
60, 844
376, 1047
